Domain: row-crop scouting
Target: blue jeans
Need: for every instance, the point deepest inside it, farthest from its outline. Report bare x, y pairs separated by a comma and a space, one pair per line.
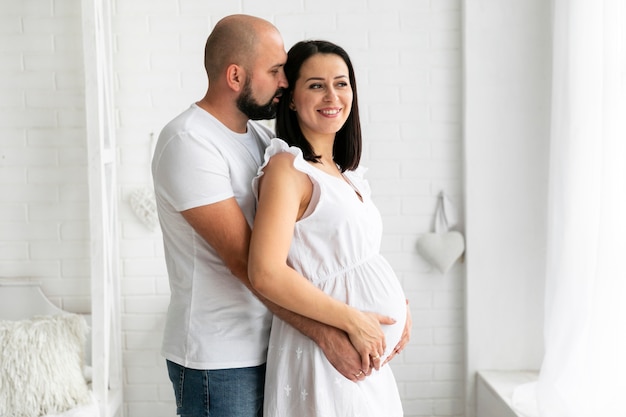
234, 392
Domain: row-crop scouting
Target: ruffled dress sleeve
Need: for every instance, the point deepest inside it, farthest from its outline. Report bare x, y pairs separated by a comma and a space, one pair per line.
275, 147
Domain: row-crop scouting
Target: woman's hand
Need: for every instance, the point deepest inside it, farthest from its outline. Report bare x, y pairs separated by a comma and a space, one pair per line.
406, 335
368, 338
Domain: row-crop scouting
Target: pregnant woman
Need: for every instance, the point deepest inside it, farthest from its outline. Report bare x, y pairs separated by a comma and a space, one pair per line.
315, 247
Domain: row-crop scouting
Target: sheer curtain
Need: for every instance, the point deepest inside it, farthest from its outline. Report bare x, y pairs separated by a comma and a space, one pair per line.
584, 368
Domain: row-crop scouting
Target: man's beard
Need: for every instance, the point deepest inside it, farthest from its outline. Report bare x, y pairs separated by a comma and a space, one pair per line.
248, 106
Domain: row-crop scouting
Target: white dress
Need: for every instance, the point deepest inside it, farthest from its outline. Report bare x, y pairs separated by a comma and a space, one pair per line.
336, 245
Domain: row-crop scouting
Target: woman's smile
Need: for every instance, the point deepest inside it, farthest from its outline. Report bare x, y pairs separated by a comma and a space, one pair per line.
330, 112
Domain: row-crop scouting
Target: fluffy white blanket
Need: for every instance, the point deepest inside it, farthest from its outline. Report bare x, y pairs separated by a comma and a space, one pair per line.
41, 363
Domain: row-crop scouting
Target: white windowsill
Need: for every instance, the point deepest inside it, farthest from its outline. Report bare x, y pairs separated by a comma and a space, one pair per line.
494, 391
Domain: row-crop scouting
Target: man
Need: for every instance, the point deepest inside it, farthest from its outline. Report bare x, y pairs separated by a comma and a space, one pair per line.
217, 327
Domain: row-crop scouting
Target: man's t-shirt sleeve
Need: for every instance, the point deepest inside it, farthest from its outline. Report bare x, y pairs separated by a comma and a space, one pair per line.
192, 172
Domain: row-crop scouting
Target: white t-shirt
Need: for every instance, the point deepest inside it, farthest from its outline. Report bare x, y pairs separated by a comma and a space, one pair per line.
213, 321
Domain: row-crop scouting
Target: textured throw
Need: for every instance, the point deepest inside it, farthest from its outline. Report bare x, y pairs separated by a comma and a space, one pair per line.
41, 362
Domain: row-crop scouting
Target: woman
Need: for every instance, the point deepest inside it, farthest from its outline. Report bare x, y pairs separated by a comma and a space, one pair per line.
315, 219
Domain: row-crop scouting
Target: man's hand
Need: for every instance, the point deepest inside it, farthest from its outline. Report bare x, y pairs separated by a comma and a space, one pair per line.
406, 335
342, 355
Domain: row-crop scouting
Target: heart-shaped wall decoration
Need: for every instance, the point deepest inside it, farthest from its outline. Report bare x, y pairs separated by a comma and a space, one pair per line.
143, 203
441, 250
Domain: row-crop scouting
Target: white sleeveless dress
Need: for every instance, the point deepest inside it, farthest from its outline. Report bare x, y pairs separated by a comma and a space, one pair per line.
336, 245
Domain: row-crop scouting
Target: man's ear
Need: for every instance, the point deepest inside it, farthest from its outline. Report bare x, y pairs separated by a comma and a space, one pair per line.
235, 77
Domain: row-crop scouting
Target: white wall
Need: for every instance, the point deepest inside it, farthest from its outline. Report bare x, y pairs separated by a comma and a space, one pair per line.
407, 56
44, 229
506, 122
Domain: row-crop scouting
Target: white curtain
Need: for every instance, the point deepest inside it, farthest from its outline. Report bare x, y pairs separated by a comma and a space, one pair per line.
584, 369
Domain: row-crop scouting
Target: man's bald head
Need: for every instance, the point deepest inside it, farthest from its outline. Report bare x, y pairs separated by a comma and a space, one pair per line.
234, 40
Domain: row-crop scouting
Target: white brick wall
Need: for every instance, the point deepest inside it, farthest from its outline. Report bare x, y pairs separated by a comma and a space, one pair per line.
407, 55
43, 167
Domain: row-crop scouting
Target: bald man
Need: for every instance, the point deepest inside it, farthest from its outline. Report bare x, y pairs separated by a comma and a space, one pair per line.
217, 327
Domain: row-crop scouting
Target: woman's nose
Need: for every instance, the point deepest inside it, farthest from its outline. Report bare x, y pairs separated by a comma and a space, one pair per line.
331, 94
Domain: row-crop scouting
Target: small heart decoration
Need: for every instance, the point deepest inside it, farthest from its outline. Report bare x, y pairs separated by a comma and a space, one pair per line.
143, 203
441, 250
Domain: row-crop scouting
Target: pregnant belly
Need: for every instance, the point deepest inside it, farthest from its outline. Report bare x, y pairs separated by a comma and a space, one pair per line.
394, 307
374, 287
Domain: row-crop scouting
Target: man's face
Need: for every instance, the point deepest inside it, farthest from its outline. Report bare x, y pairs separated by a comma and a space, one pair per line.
248, 105
265, 80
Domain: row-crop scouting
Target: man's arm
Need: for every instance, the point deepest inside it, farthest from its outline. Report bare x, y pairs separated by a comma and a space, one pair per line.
225, 228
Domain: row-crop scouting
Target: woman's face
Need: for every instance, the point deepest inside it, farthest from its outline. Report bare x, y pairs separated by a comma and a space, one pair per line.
322, 95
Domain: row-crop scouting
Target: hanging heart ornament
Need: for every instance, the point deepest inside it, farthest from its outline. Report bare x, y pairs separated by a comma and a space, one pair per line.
443, 247
441, 250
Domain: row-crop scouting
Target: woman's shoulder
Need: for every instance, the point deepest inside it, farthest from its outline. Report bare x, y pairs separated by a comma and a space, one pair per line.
281, 160
278, 146
282, 154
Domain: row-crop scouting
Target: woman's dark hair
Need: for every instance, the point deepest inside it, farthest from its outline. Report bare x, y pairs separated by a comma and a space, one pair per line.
347, 146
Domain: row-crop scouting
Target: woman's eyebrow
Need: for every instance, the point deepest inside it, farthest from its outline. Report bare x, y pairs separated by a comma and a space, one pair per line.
322, 78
